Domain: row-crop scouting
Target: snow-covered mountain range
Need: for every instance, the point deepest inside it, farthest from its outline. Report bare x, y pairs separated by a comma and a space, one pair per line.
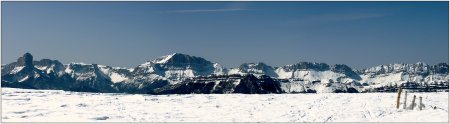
175, 71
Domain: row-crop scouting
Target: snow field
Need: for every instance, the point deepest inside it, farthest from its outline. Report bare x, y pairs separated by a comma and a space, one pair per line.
23, 105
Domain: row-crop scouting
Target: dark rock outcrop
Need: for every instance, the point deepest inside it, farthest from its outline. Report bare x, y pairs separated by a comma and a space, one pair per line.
26, 60
248, 84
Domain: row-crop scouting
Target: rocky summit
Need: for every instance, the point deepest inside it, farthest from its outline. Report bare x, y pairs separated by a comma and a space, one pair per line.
184, 74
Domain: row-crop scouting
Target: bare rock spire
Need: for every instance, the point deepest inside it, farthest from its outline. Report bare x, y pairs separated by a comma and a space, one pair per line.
26, 60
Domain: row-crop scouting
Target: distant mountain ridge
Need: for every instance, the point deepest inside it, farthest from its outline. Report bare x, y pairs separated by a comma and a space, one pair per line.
172, 71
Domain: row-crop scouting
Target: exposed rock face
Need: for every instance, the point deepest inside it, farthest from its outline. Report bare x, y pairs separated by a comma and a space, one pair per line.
247, 84
26, 60
262, 85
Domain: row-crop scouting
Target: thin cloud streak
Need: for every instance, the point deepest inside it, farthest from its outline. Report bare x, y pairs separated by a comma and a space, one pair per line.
206, 10
327, 18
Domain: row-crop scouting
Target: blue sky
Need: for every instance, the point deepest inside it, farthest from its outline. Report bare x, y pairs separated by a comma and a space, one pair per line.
359, 34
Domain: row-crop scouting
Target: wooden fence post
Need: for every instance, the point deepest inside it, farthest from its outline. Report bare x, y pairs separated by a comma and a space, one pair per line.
404, 102
420, 103
398, 97
413, 102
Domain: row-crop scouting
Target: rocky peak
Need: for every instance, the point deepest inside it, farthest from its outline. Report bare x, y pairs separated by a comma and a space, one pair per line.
344, 69
307, 66
177, 66
341, 68
48, 66
181, 60
26, 60
46, 62
258, 66
177, 61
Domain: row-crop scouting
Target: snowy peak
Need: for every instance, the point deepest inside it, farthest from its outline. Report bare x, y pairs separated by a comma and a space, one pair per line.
341, 68
163, 59
23, 70
344, 69
255, 68
86, 72
116, 74
51, 67
178, 66
178, 60
179, 69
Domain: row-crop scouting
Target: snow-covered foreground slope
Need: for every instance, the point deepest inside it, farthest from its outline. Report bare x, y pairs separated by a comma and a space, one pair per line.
23, 105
